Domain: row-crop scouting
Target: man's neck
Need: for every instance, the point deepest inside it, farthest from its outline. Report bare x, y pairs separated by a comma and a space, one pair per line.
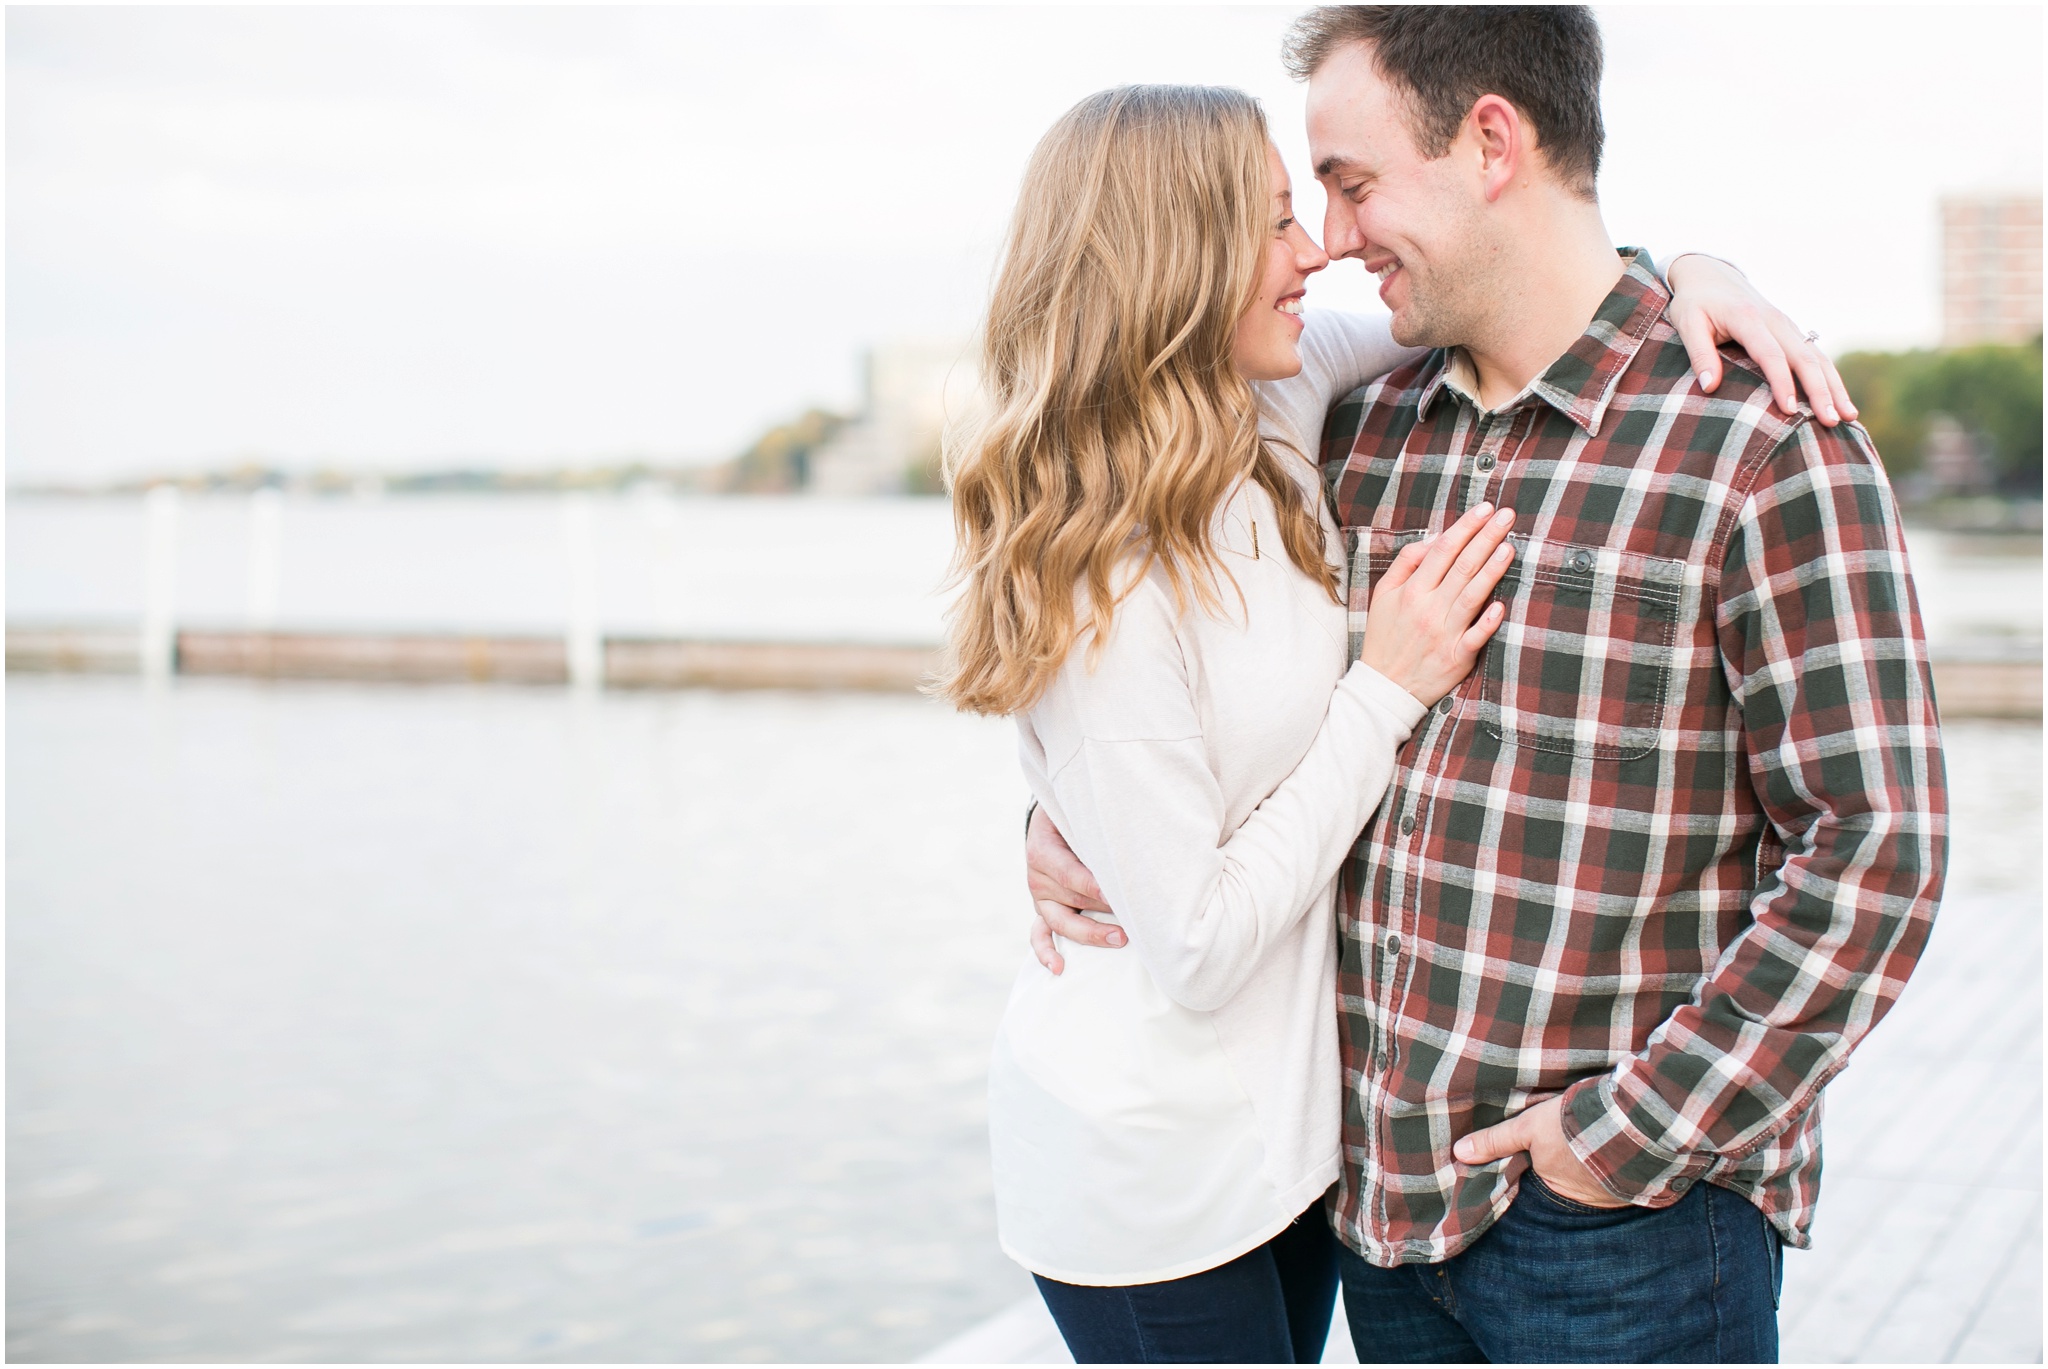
1554, 277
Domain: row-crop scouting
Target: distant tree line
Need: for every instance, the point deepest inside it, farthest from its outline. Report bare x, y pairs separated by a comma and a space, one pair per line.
779, 461
1993, 391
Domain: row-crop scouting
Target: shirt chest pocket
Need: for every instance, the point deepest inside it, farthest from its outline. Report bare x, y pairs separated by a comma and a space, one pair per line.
1584, 663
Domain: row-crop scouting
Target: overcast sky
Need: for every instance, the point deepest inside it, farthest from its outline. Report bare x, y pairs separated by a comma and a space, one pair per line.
404, 237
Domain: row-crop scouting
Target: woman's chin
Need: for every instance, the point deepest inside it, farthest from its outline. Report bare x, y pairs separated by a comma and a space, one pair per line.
1280, 362
1282, 368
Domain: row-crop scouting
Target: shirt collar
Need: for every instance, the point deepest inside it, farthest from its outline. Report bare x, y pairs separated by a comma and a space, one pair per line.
1579, 383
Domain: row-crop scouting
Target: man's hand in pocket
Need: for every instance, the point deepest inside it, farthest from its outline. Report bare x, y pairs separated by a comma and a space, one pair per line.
1540, 1131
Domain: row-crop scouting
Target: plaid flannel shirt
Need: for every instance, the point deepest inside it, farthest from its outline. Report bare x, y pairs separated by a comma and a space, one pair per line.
1674, 846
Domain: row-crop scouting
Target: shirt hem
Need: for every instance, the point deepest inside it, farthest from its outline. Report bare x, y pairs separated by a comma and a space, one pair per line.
1294, 1202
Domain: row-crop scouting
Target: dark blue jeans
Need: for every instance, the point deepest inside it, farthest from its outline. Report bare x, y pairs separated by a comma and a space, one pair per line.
1271, 1306
1557, 1281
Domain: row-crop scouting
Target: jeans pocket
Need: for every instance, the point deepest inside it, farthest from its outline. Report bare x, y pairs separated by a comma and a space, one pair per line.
1777, 1245
1533, 1182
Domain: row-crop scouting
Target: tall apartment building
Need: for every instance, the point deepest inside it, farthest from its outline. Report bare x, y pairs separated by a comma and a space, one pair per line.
1990, 269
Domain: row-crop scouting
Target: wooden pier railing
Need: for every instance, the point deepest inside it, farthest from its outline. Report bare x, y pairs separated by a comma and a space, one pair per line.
629, 662
1966, 688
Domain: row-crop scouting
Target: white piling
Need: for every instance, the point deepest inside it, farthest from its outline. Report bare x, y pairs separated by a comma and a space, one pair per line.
266, 557
584, 643
659, 509
159, 644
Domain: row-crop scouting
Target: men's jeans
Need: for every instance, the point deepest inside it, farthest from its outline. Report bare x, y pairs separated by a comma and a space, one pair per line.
1271, 1305
1554, 1280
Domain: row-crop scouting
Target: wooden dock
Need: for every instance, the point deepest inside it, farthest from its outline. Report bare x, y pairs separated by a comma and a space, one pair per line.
1989, 689
419, 658
2009, 689
1927, 1246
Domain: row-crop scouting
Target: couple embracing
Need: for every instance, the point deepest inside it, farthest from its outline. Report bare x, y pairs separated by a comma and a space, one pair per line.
1487, 777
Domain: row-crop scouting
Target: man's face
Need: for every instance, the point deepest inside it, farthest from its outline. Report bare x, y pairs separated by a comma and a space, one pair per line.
1415, 222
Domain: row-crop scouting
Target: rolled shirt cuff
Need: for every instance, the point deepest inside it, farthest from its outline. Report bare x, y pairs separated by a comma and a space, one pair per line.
1620, 1155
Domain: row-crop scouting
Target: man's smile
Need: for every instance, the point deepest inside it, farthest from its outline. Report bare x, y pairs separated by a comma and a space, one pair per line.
1386, 269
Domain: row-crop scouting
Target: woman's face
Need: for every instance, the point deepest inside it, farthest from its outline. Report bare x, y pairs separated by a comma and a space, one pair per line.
1264, 346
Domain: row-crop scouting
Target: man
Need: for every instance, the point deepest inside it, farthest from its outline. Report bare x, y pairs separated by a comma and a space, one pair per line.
1646, 878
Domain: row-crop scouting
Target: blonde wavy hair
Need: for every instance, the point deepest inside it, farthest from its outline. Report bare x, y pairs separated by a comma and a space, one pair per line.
1112, 415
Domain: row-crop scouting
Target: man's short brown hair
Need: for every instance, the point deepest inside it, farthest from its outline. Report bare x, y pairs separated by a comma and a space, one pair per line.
1542, 59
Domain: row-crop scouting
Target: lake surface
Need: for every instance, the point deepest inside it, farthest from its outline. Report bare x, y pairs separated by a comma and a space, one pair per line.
776, 568
472, 1024
388, 1023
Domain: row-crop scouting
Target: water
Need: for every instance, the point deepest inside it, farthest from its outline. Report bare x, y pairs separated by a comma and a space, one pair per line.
802, 569
468, 1024
1979, 596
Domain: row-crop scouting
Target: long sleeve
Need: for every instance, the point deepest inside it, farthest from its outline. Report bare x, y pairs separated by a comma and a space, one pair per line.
1822, 647
1133, 786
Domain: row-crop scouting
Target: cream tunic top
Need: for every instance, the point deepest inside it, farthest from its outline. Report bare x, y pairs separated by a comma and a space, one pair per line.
1161, 1109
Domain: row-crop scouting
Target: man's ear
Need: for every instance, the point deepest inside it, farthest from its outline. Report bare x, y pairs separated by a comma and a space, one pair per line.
1504, 143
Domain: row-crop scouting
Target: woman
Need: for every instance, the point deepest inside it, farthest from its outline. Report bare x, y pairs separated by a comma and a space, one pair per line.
1148, 591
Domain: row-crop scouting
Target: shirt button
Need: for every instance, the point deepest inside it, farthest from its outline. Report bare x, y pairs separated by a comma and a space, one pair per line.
1582, 560
1680, 1185
1485, 463
1446, 704
1407, 824
1394, 944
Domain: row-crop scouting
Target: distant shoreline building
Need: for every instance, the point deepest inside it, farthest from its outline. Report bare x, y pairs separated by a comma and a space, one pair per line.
1990, 269
914, 390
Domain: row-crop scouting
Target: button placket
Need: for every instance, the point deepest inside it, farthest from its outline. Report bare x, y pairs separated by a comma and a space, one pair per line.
1494, 433
1493, 452
1386, 941
1410, 863
1389, 948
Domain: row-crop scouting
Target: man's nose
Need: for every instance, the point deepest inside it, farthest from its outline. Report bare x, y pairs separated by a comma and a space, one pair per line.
1341, 237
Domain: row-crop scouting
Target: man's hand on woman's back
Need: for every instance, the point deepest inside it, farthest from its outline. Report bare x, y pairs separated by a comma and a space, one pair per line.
1061, 887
